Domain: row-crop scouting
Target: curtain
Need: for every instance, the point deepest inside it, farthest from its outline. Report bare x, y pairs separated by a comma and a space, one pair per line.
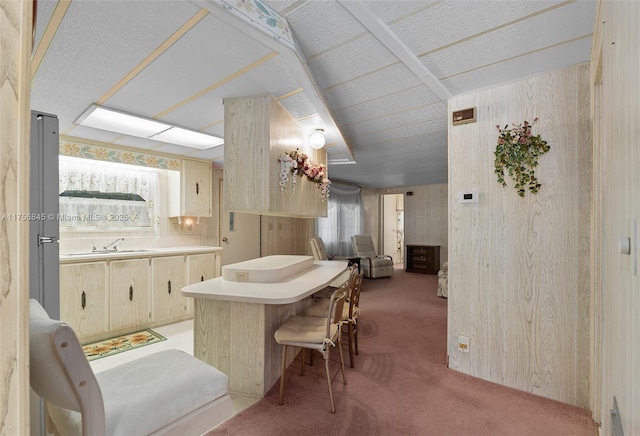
91, 181
344, 219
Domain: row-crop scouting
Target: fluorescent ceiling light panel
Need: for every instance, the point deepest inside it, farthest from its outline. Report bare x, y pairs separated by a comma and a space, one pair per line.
127, 124
119, 122
188, 138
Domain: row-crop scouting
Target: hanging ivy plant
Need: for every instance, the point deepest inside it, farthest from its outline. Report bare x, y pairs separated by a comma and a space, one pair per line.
517, 152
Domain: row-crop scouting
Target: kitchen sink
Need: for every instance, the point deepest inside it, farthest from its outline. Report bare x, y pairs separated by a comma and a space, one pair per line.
89, 253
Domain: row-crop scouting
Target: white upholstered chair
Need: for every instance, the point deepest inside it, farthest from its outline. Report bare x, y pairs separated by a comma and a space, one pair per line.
317, 249
374, 265
319, 253
319, 334
169, 392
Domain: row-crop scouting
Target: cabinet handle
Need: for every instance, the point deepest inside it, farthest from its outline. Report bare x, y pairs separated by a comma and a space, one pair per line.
130, 293
202, 278
83, 300
197, 188
169, 287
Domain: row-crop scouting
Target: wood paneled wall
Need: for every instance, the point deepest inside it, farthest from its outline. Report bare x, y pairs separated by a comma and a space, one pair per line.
15, 74
426, 217
519, 267
615, 71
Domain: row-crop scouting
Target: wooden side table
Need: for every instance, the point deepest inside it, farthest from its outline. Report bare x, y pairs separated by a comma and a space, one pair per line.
423, 259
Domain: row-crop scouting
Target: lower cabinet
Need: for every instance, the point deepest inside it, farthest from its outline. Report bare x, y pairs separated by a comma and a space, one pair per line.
99, 299
83, 288
168, 278
129, 293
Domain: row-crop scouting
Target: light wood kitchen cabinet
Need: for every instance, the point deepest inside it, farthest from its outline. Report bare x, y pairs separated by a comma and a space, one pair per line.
257, 131
190, 192
168, 277
83, 297
129, 293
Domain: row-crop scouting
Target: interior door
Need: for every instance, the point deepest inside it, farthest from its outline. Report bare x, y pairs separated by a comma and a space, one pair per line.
239, 233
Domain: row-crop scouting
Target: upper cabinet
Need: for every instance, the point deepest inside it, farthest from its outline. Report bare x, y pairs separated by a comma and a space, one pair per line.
190, 194
257, 130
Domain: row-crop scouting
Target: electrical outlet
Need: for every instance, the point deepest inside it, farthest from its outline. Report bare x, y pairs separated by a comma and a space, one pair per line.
242, 276
463, 344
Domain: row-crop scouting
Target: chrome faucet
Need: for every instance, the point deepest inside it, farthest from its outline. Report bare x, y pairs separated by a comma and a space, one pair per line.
114, 243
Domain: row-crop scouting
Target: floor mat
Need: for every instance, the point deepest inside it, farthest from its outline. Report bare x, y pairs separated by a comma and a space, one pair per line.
120, 344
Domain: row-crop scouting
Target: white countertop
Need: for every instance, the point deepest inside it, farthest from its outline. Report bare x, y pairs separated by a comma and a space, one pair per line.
143, 253
291, 289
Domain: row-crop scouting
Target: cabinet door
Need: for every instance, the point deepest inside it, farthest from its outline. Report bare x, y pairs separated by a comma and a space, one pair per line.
83, 297
129, 293
196, 188
168, 279
201, 267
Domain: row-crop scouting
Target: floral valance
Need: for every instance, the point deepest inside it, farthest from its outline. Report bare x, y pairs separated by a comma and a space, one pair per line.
96, 152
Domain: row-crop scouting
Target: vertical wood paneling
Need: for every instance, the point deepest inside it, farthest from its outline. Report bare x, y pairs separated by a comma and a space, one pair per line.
426, 217
617, 36
518, 266
15, 59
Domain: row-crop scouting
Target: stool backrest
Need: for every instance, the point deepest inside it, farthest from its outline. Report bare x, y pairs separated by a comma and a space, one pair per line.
60, 372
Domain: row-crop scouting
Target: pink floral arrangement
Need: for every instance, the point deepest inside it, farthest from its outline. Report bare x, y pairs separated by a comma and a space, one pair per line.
298, 165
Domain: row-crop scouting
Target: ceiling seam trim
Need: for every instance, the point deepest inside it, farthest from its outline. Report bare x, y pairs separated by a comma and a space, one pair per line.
290, 94
154, 55
389, 39
400, 126
414, 12
370, 73
494, 29
392, 113
52, 27
218, 84
569, 41
336, 47
382, 96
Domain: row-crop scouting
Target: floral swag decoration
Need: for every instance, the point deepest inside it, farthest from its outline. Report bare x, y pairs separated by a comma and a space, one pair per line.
298, 165
517, 151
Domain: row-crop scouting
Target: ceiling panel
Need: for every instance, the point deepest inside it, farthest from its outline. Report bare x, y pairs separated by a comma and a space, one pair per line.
540, 32
207, 54
361, 72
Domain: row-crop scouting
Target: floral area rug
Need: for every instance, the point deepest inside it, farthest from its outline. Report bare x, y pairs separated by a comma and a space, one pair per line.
119, 344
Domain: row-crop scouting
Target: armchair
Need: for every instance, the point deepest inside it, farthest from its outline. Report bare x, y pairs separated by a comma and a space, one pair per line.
374, 265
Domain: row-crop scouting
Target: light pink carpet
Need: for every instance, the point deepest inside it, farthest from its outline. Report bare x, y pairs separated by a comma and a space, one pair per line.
401, 384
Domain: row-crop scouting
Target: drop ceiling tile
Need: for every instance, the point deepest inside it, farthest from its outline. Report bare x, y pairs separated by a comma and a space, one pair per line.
322, 25
98, 44
424, 114
388, 104
351, 61
526, 66
212, 154
387, 81
538, 33
390, 135
208, 54
299, 105
453, 21
132, 141
390, 10
178, 150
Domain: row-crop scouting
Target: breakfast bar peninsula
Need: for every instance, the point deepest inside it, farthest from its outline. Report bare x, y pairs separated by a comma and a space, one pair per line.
237, 314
